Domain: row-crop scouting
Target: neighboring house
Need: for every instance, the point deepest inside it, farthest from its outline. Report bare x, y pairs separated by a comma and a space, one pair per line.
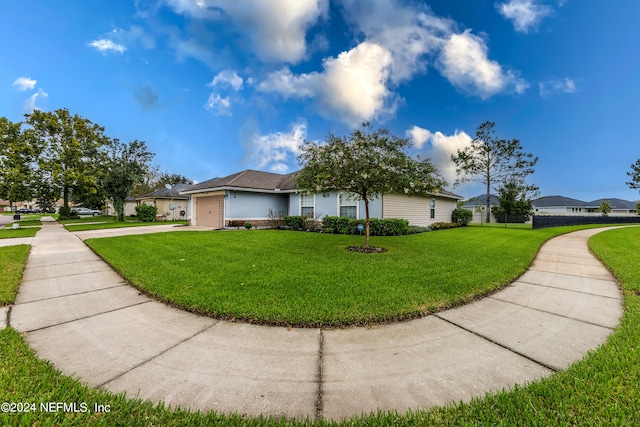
560, 205
129, 207
478, 205
170, 202
250, 196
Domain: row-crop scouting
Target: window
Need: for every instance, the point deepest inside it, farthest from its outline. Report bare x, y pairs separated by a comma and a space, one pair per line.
432, 208
348, 206
307, 205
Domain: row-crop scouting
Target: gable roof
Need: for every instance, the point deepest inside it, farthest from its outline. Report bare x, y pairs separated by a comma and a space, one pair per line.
481, 200
558, 201
615, 204
264, 182
173, 192
246, 180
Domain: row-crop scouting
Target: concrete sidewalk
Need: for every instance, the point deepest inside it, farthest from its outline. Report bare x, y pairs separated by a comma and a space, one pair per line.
79, 314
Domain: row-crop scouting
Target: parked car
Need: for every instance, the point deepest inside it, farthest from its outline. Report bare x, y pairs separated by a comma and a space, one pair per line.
86, 211
28, 211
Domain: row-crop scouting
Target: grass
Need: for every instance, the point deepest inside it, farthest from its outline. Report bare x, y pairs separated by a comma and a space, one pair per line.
308, 279
12, 262
602, 389
84, 223
10, 233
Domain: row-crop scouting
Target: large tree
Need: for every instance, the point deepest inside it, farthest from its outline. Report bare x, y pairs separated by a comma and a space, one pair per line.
492, 161
125, 165
366, 164
69, 149
155, 179
635, 175
16, 163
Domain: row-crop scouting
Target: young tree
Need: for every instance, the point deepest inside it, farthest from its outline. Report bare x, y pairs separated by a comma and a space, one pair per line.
605, 208
70, 147
365, 164
492, 161
125, 165
635, 175
514, 201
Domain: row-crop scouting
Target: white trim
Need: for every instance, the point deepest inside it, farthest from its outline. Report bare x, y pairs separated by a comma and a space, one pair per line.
352, 197
300, 195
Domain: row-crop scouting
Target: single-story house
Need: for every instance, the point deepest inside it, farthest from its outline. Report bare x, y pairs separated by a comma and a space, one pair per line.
170, 202
560, 205
251, 196
129, 207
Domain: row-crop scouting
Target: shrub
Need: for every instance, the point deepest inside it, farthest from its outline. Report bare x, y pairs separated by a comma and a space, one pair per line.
276, 218
462, 217
146, 213
377, 227
298, 223
442, 226
65, 213
248, 225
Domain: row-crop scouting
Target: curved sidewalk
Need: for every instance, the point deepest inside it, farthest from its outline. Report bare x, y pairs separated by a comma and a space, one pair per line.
78, 313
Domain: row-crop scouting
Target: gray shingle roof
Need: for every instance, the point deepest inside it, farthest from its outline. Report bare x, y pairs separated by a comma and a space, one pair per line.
558, 201
174, 192
264, 181
247, 179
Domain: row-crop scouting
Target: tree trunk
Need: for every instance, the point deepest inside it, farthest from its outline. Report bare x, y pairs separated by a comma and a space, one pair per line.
366, 223
65, 196
488, 202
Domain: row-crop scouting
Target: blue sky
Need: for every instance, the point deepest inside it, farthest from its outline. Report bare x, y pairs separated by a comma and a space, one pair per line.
217, 86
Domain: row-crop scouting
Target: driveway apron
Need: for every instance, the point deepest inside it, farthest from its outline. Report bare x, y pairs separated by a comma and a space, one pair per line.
75, 311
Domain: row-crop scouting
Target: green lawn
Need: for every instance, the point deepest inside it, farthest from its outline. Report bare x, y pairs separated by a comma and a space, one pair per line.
602, 389
85, 223
309, 279
10, 233
12, 262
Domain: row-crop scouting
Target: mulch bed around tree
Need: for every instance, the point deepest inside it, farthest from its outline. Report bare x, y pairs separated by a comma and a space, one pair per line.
367, 250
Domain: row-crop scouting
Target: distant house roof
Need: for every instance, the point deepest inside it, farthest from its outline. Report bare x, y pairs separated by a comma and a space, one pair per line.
268, 182
481, 200
558, 201
561, 201
615, 204
166, 193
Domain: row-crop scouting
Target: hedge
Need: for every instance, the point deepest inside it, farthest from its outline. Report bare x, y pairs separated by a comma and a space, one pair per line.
377, 227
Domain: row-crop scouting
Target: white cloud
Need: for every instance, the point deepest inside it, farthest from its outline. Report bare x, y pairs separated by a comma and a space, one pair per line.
525, 14
550, 87
276, 28
31, 103
229, 81
440, 148
352, 87
273, 151
227, 78
218, 105
106, 45
24, 83
410, 34
464, 62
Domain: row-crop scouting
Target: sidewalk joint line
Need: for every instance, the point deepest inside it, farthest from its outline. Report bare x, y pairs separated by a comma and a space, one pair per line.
73, 294
549, 312
319, 402
144, 362
570, 290
68, 275
87, 317
537, 362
